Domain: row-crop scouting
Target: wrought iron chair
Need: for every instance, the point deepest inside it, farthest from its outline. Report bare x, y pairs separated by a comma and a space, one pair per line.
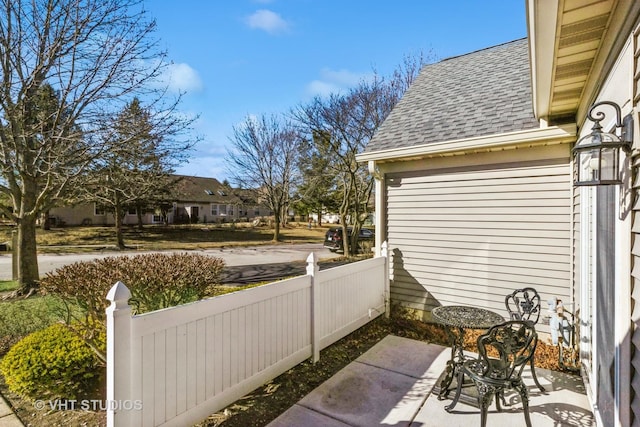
503, 350
524, 304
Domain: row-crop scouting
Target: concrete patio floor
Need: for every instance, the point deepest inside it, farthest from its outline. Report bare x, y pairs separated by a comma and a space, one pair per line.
391, 385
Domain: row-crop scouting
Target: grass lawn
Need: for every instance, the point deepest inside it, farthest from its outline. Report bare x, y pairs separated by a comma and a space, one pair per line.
192, 236
8, 285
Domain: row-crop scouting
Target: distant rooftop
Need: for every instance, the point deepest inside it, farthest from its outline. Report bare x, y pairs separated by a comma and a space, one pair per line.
477, 94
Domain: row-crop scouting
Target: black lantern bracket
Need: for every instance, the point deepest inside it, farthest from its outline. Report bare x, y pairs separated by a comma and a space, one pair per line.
597, 156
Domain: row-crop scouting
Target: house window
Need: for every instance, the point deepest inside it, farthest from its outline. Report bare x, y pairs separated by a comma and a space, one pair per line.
230, 210
131, 211
214, 210
223, 210
98, 210
156, 219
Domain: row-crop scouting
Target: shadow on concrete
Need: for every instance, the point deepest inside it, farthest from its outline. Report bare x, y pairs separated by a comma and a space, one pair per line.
392, 385
248, 274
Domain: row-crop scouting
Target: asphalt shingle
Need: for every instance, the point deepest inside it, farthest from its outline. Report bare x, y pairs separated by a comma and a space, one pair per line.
481, 93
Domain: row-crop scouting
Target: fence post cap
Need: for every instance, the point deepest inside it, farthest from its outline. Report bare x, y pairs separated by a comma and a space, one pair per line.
311, 263
119, 293
384, 248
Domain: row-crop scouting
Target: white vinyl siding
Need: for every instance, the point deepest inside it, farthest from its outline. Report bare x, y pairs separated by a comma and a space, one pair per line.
635, 250
584, 269
472, 235
635, 299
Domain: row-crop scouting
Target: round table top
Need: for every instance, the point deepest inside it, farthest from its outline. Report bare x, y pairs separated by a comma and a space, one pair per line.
463, 316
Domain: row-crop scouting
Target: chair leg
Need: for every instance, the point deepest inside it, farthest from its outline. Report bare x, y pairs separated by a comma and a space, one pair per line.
535, 377
454, 402
484, 401
499, 398
483, 417
524, 396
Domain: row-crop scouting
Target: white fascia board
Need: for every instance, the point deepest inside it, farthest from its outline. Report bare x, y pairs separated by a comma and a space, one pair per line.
548, 135
542, 21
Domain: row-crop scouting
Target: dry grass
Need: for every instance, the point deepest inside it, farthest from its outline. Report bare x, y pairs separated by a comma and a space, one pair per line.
180, 237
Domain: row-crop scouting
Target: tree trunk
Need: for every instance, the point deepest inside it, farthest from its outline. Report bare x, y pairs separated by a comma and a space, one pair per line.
139, 214
28, 275
46, 221
355, 233
345, 237
165, 216
119, 236
118, 214
276, 226
319, 217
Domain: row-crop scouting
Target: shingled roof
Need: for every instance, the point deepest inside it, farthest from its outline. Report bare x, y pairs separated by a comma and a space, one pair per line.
203, 190
481, 93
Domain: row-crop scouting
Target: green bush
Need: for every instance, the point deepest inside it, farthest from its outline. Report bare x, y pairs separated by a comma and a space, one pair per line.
53, 363
156, 281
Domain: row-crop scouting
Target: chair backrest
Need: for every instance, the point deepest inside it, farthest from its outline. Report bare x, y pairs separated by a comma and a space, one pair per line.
506, 348
523, 304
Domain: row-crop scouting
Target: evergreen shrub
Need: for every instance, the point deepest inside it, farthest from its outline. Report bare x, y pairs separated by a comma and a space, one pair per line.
53, 363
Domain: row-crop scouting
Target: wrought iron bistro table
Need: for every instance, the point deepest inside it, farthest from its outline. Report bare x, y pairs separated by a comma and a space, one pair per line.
460, 318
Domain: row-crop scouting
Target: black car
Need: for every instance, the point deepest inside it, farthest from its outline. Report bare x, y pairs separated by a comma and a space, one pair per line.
333, 238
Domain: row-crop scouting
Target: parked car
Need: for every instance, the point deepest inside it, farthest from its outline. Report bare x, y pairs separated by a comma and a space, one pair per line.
333, 238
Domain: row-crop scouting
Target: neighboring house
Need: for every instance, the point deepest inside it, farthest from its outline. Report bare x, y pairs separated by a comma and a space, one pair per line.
475, 194
195, 200
210, 201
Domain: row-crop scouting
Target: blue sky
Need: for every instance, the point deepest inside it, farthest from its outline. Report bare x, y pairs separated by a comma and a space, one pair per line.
235, 58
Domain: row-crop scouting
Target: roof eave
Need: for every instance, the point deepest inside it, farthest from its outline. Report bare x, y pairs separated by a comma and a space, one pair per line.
552, 134
624, 17
542, 23
572, 47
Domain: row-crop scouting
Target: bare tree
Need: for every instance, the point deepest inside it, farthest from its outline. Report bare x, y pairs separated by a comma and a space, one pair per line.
340, 127
263, 157
95, 55
344, 124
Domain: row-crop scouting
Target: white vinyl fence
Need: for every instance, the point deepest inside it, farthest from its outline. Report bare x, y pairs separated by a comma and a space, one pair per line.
175, 367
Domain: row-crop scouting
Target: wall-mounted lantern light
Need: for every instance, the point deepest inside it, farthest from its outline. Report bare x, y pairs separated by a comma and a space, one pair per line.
597, 156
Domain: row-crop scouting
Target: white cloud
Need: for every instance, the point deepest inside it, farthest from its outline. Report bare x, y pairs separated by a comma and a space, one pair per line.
332, 81
268, 21
182, 78
322, 89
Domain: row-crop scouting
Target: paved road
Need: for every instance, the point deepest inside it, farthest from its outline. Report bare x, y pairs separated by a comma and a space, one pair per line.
251, 256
